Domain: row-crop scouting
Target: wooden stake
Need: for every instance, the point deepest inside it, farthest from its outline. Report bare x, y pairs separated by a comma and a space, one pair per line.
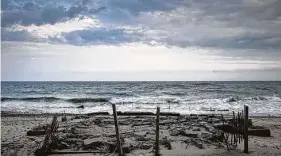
222, 119
238, 131
157, 133
242, 124
246, 116
117, 130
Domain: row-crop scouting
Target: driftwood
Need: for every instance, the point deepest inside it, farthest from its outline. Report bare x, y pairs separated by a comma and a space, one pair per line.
49, 138
254, 132
259, 132
74, 152
169, 114
98, 113
129, 113
35, 132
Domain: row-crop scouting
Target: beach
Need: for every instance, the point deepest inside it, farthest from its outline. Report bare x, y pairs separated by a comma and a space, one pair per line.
191, 125
96, 133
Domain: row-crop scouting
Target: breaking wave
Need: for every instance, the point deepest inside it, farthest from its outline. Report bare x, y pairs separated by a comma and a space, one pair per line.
32, 99
86, 100
53, 99
256, 98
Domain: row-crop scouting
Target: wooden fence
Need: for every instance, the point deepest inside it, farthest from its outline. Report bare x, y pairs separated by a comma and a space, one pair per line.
237, 132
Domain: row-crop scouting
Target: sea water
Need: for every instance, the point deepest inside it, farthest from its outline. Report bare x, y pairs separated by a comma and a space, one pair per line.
263, 98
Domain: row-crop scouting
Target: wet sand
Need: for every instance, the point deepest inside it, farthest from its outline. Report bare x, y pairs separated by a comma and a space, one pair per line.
185, 135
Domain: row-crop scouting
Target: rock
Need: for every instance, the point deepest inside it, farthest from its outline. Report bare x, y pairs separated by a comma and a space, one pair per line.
193, 115
259, 132
35, 132
81, 106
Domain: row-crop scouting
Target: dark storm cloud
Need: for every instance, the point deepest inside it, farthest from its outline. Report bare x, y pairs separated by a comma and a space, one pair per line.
237, 24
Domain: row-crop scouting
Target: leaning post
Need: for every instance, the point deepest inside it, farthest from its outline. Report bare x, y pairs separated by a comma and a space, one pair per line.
117, 130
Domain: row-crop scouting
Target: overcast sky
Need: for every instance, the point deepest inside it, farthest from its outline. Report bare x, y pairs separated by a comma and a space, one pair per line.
140, 40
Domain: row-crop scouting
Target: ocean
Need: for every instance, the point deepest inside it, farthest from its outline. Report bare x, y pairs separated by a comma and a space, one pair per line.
263, 98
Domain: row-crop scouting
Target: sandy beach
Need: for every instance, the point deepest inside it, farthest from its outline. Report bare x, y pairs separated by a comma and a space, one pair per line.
179, 135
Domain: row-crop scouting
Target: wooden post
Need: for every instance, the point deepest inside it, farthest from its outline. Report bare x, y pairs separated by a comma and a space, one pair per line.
157, 132
242, 124
222, 119
238, 129
117, 131
246, 116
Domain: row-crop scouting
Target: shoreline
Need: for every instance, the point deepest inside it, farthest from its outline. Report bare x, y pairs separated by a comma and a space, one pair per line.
17, 114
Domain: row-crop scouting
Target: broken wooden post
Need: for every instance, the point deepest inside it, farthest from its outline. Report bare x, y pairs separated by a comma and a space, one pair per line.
246, 116
157, 132
49, 138
117, 131
238, 129
233, 122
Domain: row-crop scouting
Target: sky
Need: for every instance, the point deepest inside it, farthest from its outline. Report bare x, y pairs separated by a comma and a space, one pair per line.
132, 40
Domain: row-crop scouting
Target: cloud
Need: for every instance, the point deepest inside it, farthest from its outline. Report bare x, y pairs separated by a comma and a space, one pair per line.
240, 24
43, 12
22, 35
102, 36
